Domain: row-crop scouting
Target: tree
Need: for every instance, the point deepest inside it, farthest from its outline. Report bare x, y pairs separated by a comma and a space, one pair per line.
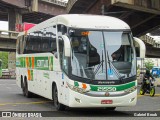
149, 64
4, 58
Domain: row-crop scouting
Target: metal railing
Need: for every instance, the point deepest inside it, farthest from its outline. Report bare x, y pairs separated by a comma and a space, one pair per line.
57, 2
8, 34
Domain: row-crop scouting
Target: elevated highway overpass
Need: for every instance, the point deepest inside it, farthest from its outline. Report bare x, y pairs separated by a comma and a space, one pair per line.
32, 11
143, 16
8, 40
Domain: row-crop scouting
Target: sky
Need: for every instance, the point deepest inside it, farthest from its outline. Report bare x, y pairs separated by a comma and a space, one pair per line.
3, 25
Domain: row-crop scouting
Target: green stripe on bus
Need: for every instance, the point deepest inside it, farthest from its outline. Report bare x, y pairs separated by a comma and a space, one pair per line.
114, 87
32, 75
40, 63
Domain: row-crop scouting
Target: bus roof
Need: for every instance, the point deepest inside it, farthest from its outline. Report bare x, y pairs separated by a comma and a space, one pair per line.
83, 21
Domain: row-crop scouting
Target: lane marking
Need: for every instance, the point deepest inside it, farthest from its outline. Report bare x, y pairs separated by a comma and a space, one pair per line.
25, 103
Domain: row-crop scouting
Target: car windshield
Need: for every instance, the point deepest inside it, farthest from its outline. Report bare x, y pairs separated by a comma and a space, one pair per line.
101, 55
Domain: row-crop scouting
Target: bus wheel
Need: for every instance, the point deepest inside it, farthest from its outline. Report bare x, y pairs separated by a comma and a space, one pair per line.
59, 106
23, 90
110, 108
26, 92
22, 86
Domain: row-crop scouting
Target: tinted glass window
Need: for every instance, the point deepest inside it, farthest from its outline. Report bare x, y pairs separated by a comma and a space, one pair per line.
41, 41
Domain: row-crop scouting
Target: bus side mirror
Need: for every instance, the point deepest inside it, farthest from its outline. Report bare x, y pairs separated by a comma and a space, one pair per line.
67, 46
140, 47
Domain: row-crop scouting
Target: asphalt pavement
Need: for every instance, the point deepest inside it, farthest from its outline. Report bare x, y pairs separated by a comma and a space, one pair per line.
11, 99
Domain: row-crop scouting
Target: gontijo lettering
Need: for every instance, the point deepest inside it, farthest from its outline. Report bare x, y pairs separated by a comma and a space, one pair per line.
42, 63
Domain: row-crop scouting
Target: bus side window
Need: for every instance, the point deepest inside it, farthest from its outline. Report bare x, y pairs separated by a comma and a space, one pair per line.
61, 47
53, 43
30, 43
48, 43
22, 42
27, 49
23, 45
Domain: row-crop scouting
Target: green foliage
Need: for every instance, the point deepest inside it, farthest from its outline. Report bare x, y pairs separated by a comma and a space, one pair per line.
4, 58
149, 64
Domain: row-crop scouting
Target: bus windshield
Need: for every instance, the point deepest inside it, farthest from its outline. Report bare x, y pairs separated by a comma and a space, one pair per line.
102, 55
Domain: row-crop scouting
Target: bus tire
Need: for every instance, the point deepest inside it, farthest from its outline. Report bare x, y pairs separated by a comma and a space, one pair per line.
59, 106
110, 108
22, 86
27, 93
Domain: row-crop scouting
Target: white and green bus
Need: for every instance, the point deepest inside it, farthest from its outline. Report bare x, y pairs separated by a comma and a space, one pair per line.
79, 61
0, 68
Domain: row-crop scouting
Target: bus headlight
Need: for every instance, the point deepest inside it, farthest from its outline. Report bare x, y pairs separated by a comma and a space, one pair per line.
132, 99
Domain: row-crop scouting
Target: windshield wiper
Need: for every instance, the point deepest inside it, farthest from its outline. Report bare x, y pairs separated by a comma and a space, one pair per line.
99, 66
116, 72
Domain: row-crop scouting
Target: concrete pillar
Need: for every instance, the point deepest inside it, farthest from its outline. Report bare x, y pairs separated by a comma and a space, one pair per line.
11, 60
14, 17
35, 6
12, 63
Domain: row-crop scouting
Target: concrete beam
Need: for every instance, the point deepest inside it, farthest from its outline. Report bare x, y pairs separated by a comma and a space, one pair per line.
8, 34
143, 21
8, 40
38, 6
18, 3
138, 8
7, 45
152, 52
51, 9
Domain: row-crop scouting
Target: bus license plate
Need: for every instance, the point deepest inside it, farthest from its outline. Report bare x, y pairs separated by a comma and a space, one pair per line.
106, 101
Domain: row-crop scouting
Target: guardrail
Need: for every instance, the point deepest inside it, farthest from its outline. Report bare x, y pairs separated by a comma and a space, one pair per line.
8, 74
8, 34
57, 2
